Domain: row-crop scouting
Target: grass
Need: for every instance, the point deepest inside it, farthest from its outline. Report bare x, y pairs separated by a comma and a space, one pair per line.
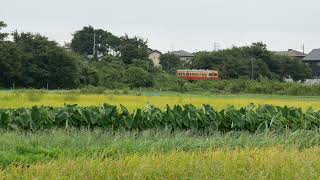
248, 163
84, 154
57, 99
30, 148
153, 154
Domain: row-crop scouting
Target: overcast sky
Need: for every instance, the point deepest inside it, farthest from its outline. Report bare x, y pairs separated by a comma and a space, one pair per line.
191, 25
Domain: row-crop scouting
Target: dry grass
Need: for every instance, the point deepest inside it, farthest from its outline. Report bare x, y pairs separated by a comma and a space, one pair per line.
268, 163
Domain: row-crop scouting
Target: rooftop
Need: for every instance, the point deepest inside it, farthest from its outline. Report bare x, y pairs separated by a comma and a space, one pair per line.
314, 55
182, 53
291, 53
153, 50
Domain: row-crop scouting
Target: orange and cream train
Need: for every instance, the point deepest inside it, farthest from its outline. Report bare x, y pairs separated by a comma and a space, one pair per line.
194, 75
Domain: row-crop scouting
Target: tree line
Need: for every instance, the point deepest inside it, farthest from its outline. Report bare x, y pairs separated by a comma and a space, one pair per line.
96, 57
252, 61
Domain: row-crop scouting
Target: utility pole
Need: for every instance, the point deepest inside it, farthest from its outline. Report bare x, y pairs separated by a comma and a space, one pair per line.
252, 59
94, 45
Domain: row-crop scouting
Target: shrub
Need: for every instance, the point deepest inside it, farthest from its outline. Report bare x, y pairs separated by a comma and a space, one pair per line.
136, 77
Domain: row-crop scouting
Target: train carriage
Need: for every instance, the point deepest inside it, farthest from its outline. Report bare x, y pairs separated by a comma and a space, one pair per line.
195, 75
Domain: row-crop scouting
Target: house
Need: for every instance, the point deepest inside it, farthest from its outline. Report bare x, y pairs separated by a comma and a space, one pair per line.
291, 53
313, 61
154, 56
183, 55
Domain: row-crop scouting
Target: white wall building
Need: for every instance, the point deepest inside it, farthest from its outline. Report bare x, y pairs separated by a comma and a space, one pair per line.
154, 56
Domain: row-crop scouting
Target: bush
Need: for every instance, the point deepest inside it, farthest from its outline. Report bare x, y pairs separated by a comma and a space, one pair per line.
136, 77
244, 85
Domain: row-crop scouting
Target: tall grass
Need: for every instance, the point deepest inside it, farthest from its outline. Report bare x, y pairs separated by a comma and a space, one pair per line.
247, 163
30, 148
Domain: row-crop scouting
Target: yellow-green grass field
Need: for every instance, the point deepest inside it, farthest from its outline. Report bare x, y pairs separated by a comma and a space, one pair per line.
57, 99
248, 163
95, 155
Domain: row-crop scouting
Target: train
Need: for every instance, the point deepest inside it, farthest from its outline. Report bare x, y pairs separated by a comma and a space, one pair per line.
198, 74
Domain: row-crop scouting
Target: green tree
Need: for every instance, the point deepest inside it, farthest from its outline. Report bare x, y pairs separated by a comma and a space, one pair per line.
45, 62
137, 77
11, 65
3, 35
89, 75
83, 41
207, 60
133, 49
110, 71
170, 62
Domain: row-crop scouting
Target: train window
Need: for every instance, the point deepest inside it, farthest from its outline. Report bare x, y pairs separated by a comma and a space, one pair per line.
211, 74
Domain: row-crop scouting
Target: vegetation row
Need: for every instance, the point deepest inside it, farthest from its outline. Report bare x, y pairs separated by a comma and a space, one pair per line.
187, 117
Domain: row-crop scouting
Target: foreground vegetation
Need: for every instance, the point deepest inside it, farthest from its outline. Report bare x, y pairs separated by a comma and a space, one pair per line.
187, 117
159, 154
80, 142
271, 163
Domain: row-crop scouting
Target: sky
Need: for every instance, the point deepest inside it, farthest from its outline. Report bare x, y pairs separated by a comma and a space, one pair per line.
191, 25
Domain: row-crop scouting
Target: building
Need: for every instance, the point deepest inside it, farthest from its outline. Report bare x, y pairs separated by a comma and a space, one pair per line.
183, 55
154, 56
291, 53
313, 61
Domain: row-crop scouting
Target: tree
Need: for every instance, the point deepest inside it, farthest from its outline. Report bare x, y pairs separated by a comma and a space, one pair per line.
170, 62
3, 35
89, 75
11, 65
110, 72
206, 60
133, 48
137, 77
83, 41
296, 69
35, 62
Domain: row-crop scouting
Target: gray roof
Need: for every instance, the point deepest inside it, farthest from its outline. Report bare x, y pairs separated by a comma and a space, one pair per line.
314, 55
291, 53
182, 53
153, 50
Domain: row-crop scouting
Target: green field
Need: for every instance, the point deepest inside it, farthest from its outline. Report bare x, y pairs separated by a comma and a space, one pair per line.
68, 152
133, 100
159, 154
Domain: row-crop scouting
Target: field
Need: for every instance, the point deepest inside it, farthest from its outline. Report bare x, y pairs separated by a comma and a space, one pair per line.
94, 152
58, 99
